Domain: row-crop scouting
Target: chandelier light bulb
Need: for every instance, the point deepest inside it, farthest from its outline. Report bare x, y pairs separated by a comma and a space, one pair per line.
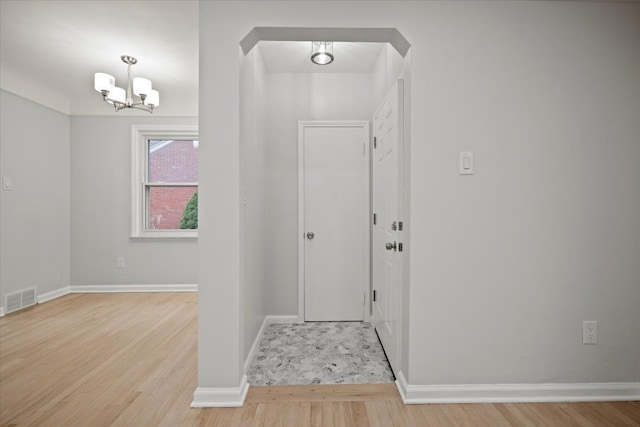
141, 86
322, 53
117, 95
153, 98
103, 81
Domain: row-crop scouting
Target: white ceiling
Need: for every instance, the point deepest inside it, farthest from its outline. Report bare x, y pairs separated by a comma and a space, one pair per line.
49, 51
294, 57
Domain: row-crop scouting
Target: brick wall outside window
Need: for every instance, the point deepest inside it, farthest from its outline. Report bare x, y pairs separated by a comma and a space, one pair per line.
174, 162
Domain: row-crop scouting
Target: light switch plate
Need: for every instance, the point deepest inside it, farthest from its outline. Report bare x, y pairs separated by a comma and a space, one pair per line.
6, 183
466, 163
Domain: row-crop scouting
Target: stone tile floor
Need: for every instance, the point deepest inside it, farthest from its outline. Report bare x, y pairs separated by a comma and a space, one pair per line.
320, 353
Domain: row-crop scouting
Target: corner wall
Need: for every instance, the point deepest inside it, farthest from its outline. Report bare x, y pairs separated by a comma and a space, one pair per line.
253, 206
34, 215
101, 211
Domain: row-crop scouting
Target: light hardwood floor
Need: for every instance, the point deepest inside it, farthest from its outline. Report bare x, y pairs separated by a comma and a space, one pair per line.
130, 360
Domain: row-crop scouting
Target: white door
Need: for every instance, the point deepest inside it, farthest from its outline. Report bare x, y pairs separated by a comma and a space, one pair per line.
335, 204
387, 192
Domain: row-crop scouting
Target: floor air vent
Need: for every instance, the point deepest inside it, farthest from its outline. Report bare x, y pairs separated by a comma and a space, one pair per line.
20, 299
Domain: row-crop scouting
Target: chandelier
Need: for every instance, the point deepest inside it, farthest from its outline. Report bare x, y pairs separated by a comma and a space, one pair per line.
121, 99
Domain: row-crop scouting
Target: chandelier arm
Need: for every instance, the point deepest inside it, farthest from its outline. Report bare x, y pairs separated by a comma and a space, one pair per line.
143, 107
120, 106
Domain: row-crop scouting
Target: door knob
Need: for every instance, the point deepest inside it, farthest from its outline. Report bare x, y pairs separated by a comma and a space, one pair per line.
310, 235
390, 246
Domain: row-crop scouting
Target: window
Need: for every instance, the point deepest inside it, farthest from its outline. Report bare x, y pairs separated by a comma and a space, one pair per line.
164, 202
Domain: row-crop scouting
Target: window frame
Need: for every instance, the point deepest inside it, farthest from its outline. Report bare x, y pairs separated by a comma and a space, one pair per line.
140, 134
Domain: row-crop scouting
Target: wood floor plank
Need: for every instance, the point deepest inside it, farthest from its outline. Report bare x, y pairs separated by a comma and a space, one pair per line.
329, 392
305, 414
130, 360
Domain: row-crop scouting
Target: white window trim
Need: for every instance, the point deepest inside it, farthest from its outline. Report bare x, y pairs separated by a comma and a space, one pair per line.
139, 136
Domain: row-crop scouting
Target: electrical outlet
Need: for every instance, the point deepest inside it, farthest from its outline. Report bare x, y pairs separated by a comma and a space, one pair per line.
589, 332
120, 262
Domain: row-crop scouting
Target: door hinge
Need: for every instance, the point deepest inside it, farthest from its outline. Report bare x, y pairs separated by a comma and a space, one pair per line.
400, 226
375, 142
375, 295
375, 219
399, 247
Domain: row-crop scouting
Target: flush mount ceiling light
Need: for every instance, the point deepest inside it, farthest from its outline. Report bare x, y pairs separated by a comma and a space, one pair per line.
121, 99
322, 53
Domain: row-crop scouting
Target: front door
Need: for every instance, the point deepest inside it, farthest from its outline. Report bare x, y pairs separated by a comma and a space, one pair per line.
387, 167
335, 203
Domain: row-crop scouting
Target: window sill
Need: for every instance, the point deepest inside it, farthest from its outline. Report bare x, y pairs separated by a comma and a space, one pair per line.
165, 235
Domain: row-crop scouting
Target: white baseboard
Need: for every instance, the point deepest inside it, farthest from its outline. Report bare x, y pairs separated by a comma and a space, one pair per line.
255, 345
511, 393
213, 397
133, 288
281, 319
48, 296
221, 397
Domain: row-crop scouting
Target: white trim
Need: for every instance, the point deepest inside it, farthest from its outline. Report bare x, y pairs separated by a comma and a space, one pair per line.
300, 222
255, 345
48, 296
133, 288
365, 125
221, 397
164, 236
139, 136
394, 353
401, 385
268, 320
380, 35
271, 319
514, 393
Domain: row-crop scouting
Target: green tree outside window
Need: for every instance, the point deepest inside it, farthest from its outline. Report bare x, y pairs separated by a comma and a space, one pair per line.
190, 216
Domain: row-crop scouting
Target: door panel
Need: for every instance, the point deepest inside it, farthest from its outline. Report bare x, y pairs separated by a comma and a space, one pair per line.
387, 168
335, 211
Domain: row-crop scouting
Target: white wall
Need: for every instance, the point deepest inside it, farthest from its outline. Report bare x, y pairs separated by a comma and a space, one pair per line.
545, 235
506, 264
292, 97
253, 175
389, 66
34, 216
101, 210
